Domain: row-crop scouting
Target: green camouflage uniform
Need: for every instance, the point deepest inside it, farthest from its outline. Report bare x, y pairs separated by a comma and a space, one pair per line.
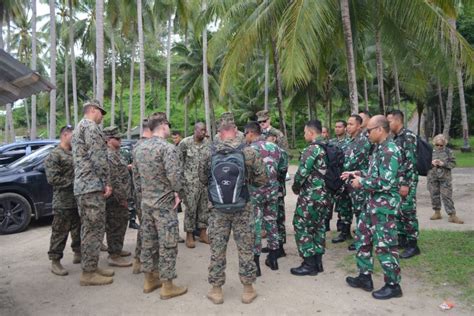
59, 171
91, 175
376, 227
195, 198
440, 181
265, 198
241, 223
408, 222
341, 202
313, 201
137, 196
157, 165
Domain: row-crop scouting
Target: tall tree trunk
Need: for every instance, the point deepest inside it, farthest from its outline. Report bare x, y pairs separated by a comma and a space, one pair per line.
278, 86
99, 40
94, 79
397, 84
293, 129
66, 92
27, 117
351, 72
168, 66
366, 95
52, 94
142, 66
2, 43
112, 98
205, 79
122, 88
267, 75
449, 111
33, 67
441, 105
130, 99
379, 57
462, 103
11, 128
186, 116
73, 63
419, 108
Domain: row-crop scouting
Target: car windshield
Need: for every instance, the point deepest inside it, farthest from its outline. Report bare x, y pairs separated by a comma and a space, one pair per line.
36, 156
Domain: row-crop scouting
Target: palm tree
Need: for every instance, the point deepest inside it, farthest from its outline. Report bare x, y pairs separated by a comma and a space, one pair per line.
142, 63
205, 75
33, 67
73, 61
52, 95
99, 37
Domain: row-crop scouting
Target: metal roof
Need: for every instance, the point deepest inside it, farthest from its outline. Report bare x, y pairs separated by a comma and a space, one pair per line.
17, 81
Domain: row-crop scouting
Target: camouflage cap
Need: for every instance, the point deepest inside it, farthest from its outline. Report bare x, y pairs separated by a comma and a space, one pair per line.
112, 132
227, 117
263, 115
95, 103
272, 132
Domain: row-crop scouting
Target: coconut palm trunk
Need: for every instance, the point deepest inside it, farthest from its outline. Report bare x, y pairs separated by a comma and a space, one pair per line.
130, 99
366, 95
397, 83
112, 97
267, 75
33, 67
278, 86
99, 40
449, 111
142, 64
379, 62
168, 65
205, 76
52, 94
73, 63
66, 92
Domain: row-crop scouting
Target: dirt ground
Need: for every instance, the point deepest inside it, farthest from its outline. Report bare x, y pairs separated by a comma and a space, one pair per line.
27, 287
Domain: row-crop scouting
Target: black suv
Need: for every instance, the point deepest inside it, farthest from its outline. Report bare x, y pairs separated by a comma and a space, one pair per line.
11, 152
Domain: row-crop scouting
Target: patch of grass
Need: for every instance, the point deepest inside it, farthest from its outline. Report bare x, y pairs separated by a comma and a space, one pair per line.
464, 160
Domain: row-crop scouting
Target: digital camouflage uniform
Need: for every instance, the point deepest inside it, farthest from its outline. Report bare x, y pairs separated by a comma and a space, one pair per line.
59, 171
157, 165
91, 175
195, 194
116, 212
341, 202
440, 181
240, 223
313, 201
137, 194
265, 198
376, 227
408, 222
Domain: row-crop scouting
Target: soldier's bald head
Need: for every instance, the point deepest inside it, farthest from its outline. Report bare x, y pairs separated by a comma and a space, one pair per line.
199, 125
379, 120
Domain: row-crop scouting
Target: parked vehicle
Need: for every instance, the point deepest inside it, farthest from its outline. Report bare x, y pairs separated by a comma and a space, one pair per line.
13, 151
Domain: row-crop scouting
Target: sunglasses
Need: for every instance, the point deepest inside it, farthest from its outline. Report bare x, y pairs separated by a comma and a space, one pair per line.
439, 145
261, 122
371, 129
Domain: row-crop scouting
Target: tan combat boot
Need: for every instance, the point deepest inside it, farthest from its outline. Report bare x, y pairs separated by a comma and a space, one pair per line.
152, 282
103, 247
190, 240
93, 278
454, 219
436, 215
77, 258
249, 294
57, 268
105, 272
118, 261
125, 253
215, 295
203, 237
169, 290
137, 266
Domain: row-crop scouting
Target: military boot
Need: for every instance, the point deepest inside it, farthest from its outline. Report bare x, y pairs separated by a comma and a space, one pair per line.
215, 295
103, 247
118, 261
436, 215
256, 259
57, 268
249, 294
388, 291
344, 235
125, 253
190, 240
327, 224
363, 281
272, 260
169, 290
339, 225
411, 250
151, 282
281, 251
352, 247
77, 258
308, 267
454, 219
137, 266
319, 262
93, 278
133, 225
402, 241
265, 250
203, 237
105, 272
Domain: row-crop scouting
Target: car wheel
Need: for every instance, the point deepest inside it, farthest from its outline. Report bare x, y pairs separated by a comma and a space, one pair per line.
15, 213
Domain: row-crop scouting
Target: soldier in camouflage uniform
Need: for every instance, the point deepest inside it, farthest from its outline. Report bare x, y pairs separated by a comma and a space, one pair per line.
59, 171
228, 117
312, 204
325, 134
91, 188
157, 165
408, 229
116, 208
241, 223
191, 150
377, 223
265, 198
440, 180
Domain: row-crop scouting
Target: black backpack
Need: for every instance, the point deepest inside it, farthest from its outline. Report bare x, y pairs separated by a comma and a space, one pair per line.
335, 164
227, 189
424, 156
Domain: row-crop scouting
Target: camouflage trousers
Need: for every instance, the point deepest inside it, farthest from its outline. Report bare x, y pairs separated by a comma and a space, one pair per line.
160, 239
281, 218
138, 247
266, 212
196, 213
65, 221
242, 225
310, 229
358, 201
343, 207
379, 231
407, 224
92, 211
441, 189
116, 221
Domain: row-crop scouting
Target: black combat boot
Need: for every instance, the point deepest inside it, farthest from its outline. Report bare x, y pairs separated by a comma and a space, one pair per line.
363, 281
402, 241
344, 235
281, 251
339, 225
327, 223
257, 263
352, 247
388, 291
308, 267
133, 224
319, 262
411, 250
265, 250
271, 260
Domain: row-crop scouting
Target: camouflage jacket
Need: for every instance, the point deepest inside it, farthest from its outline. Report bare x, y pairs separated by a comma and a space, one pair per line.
339, 142
119, 176
240, 137
276, 166
449, 162
255, 172
190, 153
382, 179
406, 141
356, 153
89, 152
281, 140
59, 171
157, 166
137, 187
